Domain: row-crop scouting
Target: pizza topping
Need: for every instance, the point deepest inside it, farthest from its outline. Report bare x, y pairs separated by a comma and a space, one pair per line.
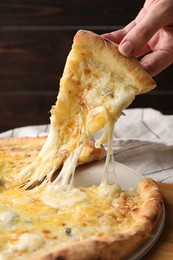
68, 231
62, 198
108, 190
1, 183
29, 242
8, 217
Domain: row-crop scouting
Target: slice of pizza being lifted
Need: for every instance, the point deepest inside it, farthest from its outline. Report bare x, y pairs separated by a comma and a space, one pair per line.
97, 84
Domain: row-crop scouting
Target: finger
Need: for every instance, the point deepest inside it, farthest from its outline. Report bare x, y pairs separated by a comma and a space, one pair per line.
115, 36
129, 26
140, 34
142, 51
118, 35
157, 61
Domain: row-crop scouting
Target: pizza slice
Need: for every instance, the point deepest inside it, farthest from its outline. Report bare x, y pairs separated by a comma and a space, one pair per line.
97, 84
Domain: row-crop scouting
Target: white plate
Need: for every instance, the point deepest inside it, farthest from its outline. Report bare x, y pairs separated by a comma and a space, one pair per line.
92, 173
89, 174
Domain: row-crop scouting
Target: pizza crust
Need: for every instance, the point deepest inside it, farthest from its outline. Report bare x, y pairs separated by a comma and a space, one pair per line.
110, 246
94, 45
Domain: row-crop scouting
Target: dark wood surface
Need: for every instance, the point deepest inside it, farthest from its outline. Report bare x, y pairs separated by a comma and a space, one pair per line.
35, 38
68, 12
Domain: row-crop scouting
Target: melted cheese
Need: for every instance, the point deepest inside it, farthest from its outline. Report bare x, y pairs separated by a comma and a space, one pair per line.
62, 198
6, 218
28, 242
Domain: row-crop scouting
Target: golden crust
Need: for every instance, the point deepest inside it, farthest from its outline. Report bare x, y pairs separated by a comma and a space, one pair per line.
119, 245
127, 67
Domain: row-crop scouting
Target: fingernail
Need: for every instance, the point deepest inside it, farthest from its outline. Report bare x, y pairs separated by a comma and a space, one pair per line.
126, 49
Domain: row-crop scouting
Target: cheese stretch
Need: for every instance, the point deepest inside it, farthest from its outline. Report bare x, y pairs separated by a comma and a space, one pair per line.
97, 84
91, 96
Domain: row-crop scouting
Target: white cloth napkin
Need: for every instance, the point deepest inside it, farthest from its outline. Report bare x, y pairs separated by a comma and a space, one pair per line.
143, 141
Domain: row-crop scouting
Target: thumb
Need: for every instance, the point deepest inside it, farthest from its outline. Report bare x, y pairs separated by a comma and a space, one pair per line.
140, 34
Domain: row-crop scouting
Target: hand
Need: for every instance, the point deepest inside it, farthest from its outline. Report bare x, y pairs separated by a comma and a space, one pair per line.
150, 34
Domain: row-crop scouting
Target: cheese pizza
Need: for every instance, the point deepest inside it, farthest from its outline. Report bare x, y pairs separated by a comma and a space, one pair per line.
42, 214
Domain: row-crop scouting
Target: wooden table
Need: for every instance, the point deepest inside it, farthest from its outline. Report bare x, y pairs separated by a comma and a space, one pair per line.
163, 249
